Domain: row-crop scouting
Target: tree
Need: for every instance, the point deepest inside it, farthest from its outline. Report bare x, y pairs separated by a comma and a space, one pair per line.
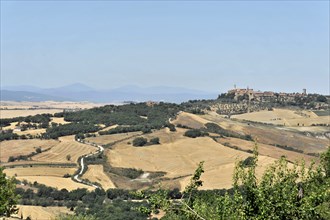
321, 98
77, 217
8, 198
68, 157
11, 159
193, 133
139, 141
154, 140
38, 150
325, 161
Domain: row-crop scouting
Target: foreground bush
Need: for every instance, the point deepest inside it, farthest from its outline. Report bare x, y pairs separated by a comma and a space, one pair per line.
8, 198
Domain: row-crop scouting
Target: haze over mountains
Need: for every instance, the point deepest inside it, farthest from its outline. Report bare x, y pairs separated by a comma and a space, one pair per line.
82, 92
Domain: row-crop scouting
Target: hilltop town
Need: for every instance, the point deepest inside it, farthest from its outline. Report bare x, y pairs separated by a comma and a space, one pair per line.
264, 95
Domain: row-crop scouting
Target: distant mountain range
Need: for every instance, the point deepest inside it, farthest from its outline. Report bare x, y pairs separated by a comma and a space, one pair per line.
81, 92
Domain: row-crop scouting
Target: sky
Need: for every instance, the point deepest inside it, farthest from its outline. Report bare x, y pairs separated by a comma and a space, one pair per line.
204, 45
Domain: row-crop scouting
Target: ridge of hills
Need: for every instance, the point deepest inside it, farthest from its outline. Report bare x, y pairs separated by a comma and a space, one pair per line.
81, 92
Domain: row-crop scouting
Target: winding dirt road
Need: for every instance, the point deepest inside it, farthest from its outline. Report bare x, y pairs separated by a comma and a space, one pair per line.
82, 165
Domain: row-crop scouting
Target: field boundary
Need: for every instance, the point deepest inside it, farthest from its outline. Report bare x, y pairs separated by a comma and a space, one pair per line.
9, 166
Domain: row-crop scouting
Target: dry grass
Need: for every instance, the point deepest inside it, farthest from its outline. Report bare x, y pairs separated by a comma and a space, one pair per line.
39, 171
11, 126
10, 109
50, 176
106, 139
17, 113
66, 146
267, 134
31, 131
108, 128
285, 117
48, 104
39, 212
267, 150
23, 147
59, 121
190, 120
95, 174
179, 156
56, 182
221, 176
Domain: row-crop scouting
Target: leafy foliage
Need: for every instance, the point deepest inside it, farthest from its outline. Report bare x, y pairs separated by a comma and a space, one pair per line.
154, 140
77, 217
193, 133
139, 141
8, 198
69, 129
156, 115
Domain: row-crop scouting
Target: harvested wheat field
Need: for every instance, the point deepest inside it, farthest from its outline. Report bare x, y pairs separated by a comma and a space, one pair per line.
23, 147
213, 117
95, 173
48, 105
166, 136
269, 134
190, 120
59, 120
11, 126
66, 146
31, 131
285, 117
266, 150
180, 158
39, 171
106, 139
108, 128
40, 213
221, 176
56, 182
287, 138
26, 112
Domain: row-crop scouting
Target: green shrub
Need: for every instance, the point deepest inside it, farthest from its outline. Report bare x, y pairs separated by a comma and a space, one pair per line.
38, 150
193, 133
154, 140
139, 141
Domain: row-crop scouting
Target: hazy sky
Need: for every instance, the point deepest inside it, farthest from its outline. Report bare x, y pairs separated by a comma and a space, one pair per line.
267, 45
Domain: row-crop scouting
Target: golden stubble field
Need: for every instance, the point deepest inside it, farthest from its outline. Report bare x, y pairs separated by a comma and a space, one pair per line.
106, 139
269, 134
12, 113
41, 213
23, 147
95, 174
266, 150
179, 156
48, 175
66, 146
56, 182
11, 109
285, 117
39, 171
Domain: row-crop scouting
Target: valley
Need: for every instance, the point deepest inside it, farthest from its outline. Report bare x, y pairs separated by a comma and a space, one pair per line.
168, 161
